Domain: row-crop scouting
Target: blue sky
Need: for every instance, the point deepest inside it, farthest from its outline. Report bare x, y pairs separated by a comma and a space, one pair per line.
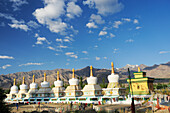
50, 34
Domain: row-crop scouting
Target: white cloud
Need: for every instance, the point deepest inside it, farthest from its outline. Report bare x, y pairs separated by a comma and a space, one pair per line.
99, 39
126, 19
163, 52
138, 27
102, 33
105, 7
5, 66
59, 40
73, 10
115, 50
17, 3
96, 46
85, 52
6, 57
66, 40
51, 48
97, 58
15, 23
112, 35
19, 26
130, 40
27, 64
40, 40
67, 63
33, 24
71, 54
61, 46
97, 19
91, 25
135, 21
105, 57
116, 24
56, 54
50, 15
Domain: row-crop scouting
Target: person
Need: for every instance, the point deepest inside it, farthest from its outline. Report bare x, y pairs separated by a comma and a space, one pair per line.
71, 104
17, 106
39, 105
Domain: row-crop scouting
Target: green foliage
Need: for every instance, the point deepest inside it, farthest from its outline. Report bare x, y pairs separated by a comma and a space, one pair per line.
7, 91
103, 84
3, 108
81, 82
18, 84
52, 86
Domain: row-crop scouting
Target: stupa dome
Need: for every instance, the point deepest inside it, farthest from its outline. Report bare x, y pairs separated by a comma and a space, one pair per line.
113, 78
33, 85
14, 89
58, 83
23, 86
45, 84
92, 80
73, 81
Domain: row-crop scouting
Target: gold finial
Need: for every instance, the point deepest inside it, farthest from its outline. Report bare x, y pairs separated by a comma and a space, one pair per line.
58, 75
33, 80
23, 82
14, 81
73, 76
138, 69
91, 71
112, 67
45, 79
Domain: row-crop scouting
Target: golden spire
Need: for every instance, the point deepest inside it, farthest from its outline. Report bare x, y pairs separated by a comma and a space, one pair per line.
14, 81
112, 67
73, 76
138, 69
23, 82
58, 75
33, 80
45, 79
91, 71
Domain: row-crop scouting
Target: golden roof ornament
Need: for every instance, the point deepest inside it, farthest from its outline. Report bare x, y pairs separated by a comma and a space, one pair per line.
91, 71
23, 81
45, 79
33, 80
58, 75
14, 81
73, 76
112, 67
138, 69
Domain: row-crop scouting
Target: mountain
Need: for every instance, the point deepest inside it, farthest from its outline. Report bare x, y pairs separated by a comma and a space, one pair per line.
156, 71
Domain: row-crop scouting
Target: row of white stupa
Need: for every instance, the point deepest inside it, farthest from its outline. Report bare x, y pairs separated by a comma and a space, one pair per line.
73, 90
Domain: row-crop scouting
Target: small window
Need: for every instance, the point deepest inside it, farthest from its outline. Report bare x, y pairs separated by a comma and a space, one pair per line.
46, 99
25, 99
38, 99
31, 99
94, 99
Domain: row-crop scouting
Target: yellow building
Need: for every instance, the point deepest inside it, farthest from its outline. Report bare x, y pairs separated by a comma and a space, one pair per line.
140, 84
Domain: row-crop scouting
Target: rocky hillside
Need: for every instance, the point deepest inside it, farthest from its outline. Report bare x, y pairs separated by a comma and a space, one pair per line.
156, 71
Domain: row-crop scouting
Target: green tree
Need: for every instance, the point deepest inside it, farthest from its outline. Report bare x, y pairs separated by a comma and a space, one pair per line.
52, 86
3, 108
18, 84
81, 82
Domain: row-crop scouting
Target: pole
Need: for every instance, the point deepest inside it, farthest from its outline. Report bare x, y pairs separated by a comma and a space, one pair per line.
132, 104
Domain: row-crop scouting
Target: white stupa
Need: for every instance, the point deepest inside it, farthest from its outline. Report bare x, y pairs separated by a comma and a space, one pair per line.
113, 79
58, 90
33, 88
92, 89
113, 89
23, 87
14, 88
74, 89
45, 89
